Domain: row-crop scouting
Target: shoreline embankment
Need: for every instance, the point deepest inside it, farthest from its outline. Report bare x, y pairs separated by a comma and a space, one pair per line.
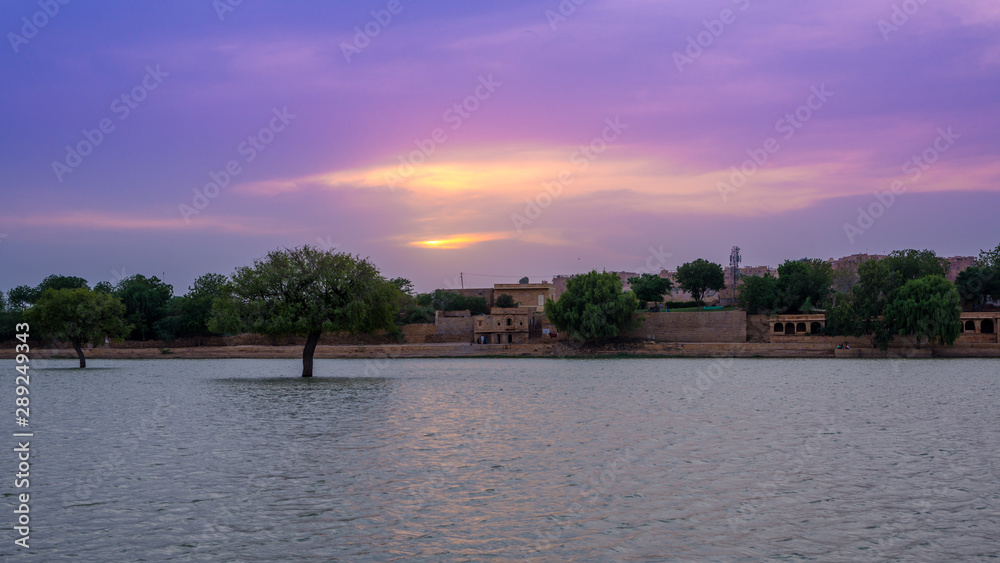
527, 350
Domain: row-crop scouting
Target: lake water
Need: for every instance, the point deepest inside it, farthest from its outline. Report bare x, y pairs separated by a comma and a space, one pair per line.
496, 460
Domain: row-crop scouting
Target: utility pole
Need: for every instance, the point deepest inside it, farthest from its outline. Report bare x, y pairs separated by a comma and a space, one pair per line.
734, 267
461, 276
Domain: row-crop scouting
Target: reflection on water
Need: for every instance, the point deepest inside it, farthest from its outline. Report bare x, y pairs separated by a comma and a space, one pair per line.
549, 460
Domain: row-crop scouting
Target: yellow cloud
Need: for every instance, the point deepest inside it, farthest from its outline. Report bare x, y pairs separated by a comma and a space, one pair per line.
458, 241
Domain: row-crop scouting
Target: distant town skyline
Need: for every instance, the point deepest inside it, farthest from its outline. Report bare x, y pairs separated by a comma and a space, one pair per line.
506, 138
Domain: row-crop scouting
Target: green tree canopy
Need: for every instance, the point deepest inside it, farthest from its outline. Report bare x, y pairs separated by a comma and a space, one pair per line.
104, 287
989, 264
862, 313
145, 302
977, 284
188, 315
928, 307
21, 297
801, 283
505, 301
56, 281
699, 277
593, 308
80, 316
403, 285
989, 259
523, 280
307, 291
913, 264
448, 301
879, 282
9, 317
758, 295
650, 288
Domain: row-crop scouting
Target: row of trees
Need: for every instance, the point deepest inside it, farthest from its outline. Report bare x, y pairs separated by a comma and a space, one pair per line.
594, 308
303, 291
150, 308
697, 278
906, 293
307, 291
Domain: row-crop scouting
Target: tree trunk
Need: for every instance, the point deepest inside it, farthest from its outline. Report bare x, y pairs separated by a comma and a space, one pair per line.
77, 345
307, 353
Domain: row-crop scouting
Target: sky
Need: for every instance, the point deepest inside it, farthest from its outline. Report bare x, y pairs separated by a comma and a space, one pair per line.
492, 139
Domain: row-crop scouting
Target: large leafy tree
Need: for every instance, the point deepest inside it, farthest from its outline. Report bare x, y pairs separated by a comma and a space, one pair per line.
700, 277
803, 284
879, 281
758, 294
976, 284
145, 302
927, 307
80, 316
650, 288
593, 308
862, 314
307, 291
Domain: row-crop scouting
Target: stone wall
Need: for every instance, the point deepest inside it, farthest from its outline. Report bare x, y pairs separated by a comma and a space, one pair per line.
417, 333
703, 326
448, 325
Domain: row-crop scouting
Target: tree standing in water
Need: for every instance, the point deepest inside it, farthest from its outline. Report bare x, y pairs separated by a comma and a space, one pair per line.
307, 291
80, 316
